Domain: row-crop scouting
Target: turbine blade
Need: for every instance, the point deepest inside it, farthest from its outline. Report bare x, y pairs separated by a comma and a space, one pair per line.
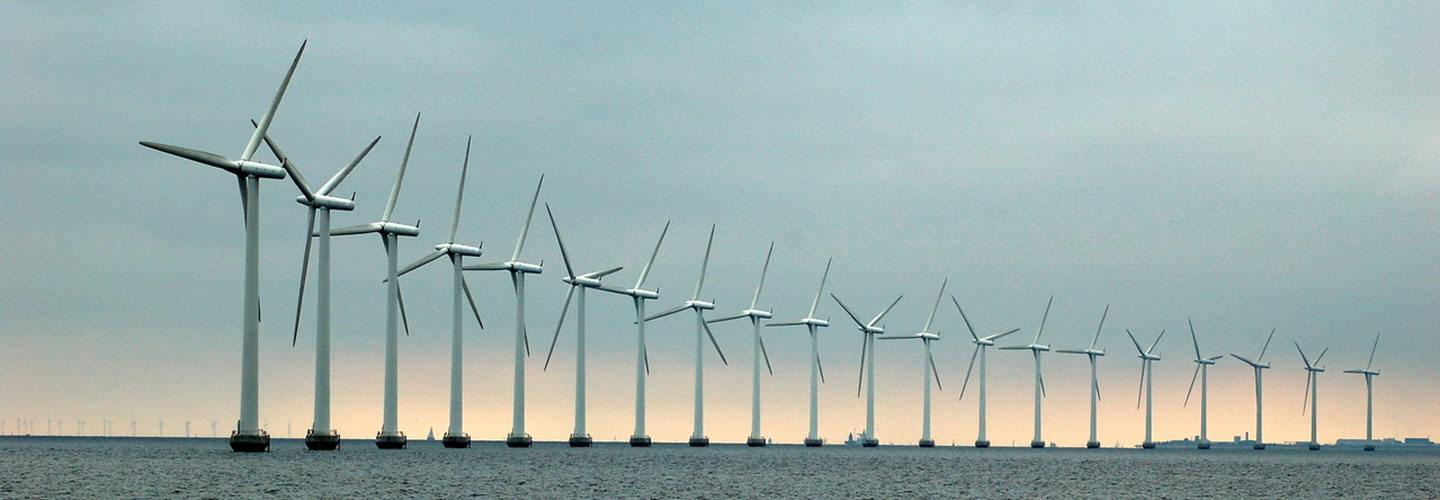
645, 353
1096, 383
399, 178
823, 277
211, 159
1141, 392
1102, 325
1193, 339
563, 254
785, 323
710, 334
274, 104
601, 274
304, 269
971, 368
460, 192
340, 176
847, 311
555, 338
1372, 352
645, 273
1156, 342
864, 346
1192, 385
289, 167
704, 264
465, 285
886, 311
404, 318
1139, 349
668, 312
1042, 320
244, 197
356, 229
933, 369
1267, 346
528, 216
1303, 357
941, 295
488, 266
1304, 402
1322, 355
727, 318
967, 325
821, 367
766, 354
763, 271
516, 279
997, 336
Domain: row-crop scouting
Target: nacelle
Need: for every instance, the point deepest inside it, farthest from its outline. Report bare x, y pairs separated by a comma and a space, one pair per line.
399, 229
873, 330
327, 202
585, 282
525, 267
928, 336
815, 321
757, 313
261, 170
644, 294
465, 250
1038, 347
983, 342
700, 304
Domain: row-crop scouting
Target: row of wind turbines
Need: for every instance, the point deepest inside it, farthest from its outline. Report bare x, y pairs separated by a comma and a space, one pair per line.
248, 436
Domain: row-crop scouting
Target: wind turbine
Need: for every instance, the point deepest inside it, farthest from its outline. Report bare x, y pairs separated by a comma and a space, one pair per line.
817, 373
1036, 348
1258, 365
455, 437
578, 438
518, 269
927, 366
980, 344
867, 365
697, 436
1202, 371
248, 436
320, 436
389, 437
1147, 381
642, 361
1091, 352
756, 352
1312, 390
1369, 395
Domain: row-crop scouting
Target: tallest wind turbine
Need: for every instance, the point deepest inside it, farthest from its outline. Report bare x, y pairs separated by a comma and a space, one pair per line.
1259, 365
248, 436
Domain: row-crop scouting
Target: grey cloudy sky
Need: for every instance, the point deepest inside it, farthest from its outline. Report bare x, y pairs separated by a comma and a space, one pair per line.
1250, 165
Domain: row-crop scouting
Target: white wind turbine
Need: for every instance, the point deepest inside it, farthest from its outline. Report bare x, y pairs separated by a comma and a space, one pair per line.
1036, 348
697, 436
980, 344
817, 372
757, 351
320, 436
518, 269
1258, 365
867, 365
578, 438
927, 365
389, 436
642, 361
1369, 395
1147, 381
1202, 371
1091, 352
1312, 390
248, 436
455, 436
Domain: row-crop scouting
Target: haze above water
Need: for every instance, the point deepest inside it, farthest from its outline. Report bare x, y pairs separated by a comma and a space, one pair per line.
184, 468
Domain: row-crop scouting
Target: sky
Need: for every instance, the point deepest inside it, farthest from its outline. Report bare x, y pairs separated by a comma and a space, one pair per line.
1246, 165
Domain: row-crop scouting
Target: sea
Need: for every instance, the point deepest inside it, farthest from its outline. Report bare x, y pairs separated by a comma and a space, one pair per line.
97, 467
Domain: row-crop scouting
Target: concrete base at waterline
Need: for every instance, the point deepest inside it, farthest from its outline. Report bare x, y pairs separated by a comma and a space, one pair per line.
699, 442
1259, 446
1037, 444
814, 442
1149, 445
870, 443
456, 440
927, 443
259, 440
580, 441
755, 442
982, 444
1314, 447
522, 441
1368, 447
640, 441
322, 441
394, 441
1203, 445
1092, 444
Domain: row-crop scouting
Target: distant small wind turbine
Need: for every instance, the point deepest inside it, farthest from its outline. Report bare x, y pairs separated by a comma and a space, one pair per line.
817, 372
868, 331
1091, 352
1258, 365
1202, 371
1147, 382
638, 296
927, 365
981, 441
1369, 395
697, 435
1036, 348
757, 351
1312, 390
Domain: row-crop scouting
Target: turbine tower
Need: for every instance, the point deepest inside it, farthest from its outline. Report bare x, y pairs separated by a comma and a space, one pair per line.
455, 436
248, 436
1036, 348
1147, 381
927, 366
1091, 352
980, 344
817, 372
697, 437
867, 366
320, 436
642, 361
1369, 395
1312, 391
518, 269
1258, 365
756, 352
390, 437
1202, 371
578, 438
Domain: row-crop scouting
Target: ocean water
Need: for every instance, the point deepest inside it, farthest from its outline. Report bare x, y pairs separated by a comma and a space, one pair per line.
48, 468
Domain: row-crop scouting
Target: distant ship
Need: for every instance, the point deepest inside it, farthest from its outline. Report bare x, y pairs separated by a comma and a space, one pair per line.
431, 436
850, 440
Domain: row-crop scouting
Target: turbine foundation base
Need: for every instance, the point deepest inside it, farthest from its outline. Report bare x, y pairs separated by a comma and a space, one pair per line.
699, 442
927, 443
580, 441
870, 442
521, 441
1259, 446
394, 441
1314, 447
250, 442
981, 443
1092, 444
1203, 445
814, 442
1149, 445
1037, 444
322, 441
640, 441
755, 442
1369, 447
456, 440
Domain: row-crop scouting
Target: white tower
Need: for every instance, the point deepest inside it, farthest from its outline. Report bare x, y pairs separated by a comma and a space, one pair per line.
1369, 395
1202, 371
1259, 365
